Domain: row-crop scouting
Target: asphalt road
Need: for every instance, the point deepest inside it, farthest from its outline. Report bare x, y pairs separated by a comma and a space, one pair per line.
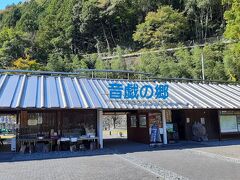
123, 161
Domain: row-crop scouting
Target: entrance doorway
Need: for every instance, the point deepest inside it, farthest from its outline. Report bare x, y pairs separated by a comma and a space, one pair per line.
115, 125
8, 126
132, 126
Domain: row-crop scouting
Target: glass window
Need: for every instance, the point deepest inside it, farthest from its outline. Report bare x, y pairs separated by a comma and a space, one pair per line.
142, 121
8, 123
228, 123
133, 121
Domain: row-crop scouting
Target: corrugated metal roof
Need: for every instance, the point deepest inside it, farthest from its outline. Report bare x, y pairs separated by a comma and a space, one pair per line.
32, 91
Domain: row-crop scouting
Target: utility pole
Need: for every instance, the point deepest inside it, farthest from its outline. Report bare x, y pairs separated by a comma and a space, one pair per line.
203, 70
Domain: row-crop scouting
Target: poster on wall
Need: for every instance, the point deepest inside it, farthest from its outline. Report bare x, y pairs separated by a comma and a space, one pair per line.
228, 123
155, 134
32, 122
169, 127
168, 115
155, 125
39, 121
155, 118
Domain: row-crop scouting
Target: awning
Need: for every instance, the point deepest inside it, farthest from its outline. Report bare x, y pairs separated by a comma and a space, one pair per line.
59, 92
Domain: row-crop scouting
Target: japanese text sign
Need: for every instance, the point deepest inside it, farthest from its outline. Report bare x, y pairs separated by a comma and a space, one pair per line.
134, 91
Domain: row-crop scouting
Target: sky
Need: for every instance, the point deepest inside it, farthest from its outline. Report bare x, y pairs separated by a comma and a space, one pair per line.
4, 3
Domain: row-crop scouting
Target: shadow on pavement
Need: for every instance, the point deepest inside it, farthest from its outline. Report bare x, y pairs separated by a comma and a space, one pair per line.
113, 146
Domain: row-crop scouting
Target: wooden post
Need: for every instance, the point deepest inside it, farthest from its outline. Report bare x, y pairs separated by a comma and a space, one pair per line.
164, 127
219, 126
100, 127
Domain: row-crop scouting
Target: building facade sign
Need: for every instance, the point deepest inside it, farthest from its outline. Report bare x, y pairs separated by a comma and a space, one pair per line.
134, 91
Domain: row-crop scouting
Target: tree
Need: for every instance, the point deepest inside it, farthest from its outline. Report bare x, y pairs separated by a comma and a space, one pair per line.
12, 46
73, 34
150, 62
26, 64
232, 17
232, 52
101, 64
78, 63
205, 17
119, 62
91, 60
213, 62
232, 61
55, 27
29, 19
58, 62
11, 17
164, 26
185, 63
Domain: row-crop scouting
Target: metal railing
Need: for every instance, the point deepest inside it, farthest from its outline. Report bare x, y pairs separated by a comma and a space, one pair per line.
85, 73
37, 72
128, 73
192, 80
142, 76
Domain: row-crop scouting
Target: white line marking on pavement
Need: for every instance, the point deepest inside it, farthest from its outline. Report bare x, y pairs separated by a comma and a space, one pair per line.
217, 156
156, 170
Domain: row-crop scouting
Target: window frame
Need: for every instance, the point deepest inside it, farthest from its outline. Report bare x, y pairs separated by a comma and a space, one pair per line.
134, 125
143, 125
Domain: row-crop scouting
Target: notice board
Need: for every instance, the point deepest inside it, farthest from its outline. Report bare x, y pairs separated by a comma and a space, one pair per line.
228, 123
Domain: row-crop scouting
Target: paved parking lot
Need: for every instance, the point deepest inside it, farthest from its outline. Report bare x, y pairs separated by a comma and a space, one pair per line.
126, 160
87, 168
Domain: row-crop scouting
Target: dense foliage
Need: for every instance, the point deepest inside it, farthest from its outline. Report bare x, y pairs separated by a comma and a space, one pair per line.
164, 26
63, 35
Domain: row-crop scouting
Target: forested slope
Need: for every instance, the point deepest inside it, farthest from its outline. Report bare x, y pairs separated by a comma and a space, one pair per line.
57, 35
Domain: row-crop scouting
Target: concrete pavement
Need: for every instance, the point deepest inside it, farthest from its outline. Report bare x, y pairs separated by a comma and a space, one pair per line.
106, 167
124, 160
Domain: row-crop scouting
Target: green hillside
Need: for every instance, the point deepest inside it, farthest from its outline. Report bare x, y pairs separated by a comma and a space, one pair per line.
57, 34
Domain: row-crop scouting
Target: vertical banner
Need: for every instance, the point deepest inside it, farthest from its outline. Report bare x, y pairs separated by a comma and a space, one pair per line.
155, 123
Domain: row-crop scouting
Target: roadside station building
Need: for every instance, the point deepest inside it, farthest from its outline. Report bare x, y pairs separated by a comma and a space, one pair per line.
46, 105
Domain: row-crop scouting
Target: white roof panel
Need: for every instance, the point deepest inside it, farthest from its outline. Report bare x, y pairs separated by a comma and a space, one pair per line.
32, 91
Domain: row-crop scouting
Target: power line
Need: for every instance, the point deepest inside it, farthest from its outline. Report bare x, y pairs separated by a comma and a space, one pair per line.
168, 50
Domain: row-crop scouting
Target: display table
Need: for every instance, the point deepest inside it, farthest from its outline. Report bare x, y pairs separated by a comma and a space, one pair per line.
81, 138
9, 136
6, 137
74, 141
88, 138
29, 141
